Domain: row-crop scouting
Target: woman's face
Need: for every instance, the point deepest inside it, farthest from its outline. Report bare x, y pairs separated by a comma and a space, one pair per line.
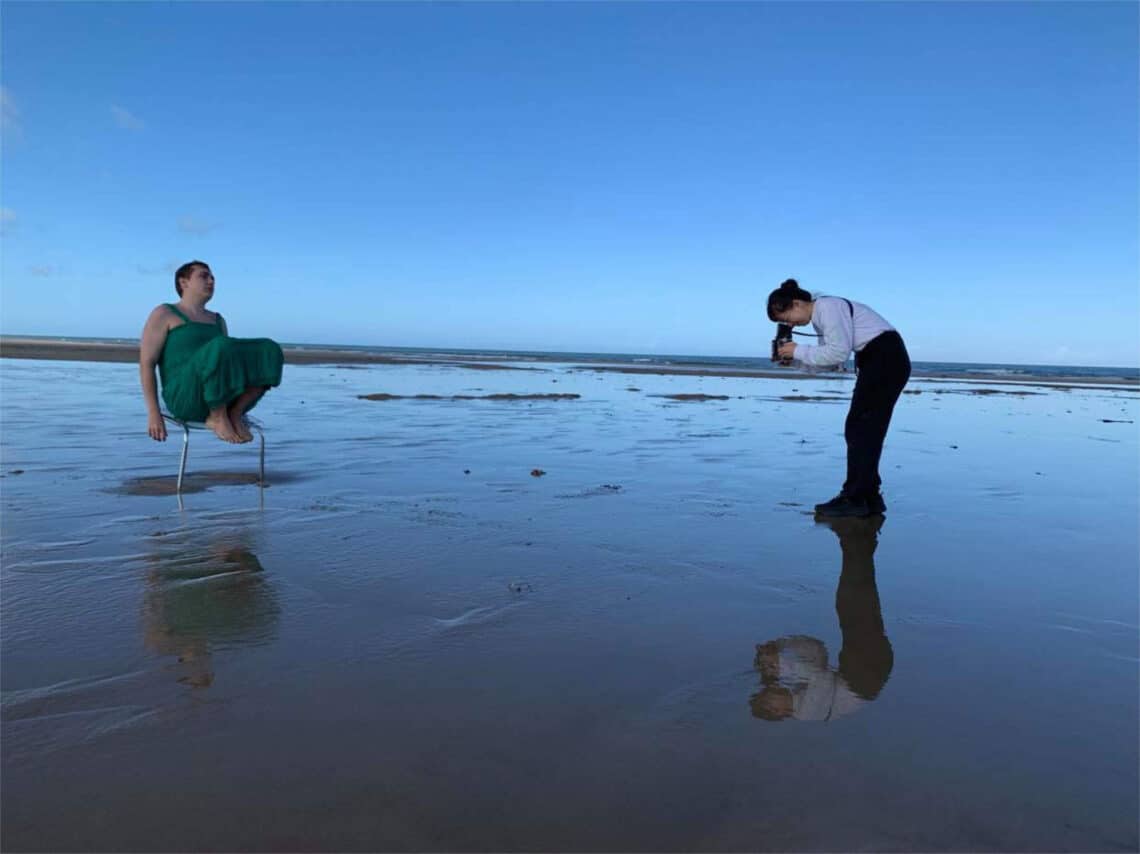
798, 315
199, 286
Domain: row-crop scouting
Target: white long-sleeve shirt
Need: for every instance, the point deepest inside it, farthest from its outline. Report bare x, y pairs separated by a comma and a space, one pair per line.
818, 692
839, 333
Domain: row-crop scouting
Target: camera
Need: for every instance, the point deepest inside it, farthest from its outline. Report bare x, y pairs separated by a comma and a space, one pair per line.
783, 336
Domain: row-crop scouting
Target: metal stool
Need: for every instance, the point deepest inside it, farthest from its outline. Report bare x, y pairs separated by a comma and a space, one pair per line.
187, 426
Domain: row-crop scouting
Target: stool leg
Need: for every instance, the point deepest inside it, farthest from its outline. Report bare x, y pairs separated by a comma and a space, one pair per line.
185, 451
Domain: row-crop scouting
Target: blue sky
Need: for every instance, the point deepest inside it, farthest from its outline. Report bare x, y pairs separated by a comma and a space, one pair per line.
623, 177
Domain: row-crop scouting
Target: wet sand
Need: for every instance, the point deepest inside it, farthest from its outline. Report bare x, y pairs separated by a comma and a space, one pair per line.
502, 396
472, 622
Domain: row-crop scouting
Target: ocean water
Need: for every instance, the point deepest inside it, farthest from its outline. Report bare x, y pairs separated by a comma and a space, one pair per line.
600, 623
761, 362
981, 370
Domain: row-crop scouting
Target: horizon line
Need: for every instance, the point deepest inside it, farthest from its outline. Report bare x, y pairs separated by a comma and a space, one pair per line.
509, 350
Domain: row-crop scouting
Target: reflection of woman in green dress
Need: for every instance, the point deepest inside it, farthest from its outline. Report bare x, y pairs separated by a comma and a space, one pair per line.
206, 375
203, 598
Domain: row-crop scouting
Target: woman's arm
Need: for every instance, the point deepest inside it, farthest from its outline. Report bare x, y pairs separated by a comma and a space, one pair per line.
150, 350
836, 334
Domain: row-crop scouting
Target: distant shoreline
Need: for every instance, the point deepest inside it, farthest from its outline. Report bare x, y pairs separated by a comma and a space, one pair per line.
14, 347
98, 351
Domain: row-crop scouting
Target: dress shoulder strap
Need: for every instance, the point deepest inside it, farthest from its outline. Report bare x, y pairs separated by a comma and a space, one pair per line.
174, 308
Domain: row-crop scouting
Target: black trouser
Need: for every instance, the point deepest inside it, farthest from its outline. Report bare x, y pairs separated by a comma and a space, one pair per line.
866, 659
884, 368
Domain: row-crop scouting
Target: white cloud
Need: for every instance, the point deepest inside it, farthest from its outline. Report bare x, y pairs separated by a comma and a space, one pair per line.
191, 225
42, 271
10, 121
125, 119
7, 220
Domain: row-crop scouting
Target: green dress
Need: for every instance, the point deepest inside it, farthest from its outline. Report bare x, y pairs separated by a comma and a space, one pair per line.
202, 368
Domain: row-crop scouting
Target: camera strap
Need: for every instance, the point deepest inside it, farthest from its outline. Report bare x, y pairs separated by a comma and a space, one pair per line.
850, 308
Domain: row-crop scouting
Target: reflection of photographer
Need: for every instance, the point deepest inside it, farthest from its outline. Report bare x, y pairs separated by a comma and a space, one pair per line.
883, 367
797, 681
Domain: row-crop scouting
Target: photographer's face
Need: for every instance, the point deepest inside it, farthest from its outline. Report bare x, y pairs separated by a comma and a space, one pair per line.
799, 314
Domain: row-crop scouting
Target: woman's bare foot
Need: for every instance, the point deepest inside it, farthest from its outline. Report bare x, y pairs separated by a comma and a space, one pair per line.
241, 427
219, 422
238, 408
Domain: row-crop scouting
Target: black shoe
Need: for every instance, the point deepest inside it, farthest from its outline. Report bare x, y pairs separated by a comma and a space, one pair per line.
845, 505
840, 498
877, 504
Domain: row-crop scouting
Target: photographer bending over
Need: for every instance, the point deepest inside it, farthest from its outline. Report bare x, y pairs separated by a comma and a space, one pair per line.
883, 368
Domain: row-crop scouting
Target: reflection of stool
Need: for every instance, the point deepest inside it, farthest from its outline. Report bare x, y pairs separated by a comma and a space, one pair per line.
187, 426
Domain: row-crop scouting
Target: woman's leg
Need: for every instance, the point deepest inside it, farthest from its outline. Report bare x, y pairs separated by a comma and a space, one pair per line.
236, 373
883, 373
238, 408
219, 421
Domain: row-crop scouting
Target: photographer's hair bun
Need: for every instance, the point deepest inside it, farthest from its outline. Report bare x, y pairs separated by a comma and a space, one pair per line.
781, 299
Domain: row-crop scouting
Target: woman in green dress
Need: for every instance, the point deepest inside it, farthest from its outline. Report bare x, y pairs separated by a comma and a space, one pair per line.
206, 375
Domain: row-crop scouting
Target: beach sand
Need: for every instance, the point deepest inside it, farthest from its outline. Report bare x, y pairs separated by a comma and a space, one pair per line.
411, 641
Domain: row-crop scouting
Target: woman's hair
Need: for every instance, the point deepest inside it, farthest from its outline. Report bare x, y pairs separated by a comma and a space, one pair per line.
774, 703
780, 300
185, 271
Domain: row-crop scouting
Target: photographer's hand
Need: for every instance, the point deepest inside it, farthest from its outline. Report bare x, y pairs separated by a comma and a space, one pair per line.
787, 350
